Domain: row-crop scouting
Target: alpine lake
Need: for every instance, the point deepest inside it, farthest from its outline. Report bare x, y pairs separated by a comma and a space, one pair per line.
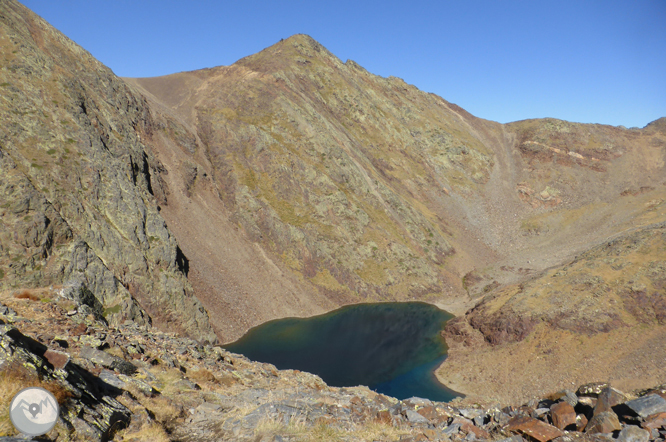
393, 348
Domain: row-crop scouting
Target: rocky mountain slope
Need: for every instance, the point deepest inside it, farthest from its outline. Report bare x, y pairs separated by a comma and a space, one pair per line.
78, 204
291, 183
127, 384
362, 188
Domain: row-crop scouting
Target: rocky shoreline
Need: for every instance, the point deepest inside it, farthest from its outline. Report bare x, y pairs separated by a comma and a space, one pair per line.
127, 383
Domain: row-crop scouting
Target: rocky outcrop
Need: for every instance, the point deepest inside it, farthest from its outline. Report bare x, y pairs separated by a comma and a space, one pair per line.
293, 183
130, 384
78, 191
598, 316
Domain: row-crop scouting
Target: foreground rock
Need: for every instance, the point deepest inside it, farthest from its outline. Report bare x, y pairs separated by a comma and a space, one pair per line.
127, 384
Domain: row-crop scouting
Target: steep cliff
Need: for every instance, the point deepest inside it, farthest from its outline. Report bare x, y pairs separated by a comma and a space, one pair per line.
78, 205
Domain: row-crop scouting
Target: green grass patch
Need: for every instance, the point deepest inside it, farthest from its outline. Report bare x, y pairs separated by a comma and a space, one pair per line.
70, 141
2, 273
5, 84
51, 151
111, 311
36, 166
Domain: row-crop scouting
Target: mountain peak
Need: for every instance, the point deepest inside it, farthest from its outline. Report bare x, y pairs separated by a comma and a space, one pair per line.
302, 39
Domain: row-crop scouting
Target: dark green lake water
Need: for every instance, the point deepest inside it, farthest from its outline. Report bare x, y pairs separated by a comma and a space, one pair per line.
392, 348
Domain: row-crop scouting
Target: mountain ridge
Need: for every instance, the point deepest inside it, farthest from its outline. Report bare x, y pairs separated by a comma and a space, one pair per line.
494, 196
291, 183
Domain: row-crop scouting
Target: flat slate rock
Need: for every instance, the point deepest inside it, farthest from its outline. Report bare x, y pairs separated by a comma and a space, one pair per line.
632, 433
414, 417
108, 360
604, 422
647, 405
534, 428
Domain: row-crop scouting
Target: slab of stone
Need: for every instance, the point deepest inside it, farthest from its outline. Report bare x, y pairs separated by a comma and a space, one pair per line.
587, 401
468, 426
540, 412
607, 399
534, 428
417, 402
593, 389
563, 415
604, 422
110, 378
143, 386
647, 405
432, 414
451, 429
470, 413
565, 395
655, 421
56, 358
633, 433
107, 360
581, 422
415, 418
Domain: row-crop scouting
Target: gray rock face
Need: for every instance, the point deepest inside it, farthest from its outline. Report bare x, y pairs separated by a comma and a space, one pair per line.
107, 360
78, 191
647, 405
414, 417
633, 434
94, 415
603, 422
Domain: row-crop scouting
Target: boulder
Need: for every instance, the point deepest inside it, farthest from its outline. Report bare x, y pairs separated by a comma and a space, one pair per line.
632, 433
107, 360
604, 422
607, 399
592, 389
534, 428
563, 415
648, 405
655, 421
414, 417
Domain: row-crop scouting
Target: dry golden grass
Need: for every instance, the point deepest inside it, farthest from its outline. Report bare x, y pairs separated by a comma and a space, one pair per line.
14, 378
325, 433
163, 408
150, 431
27, 294
202, 375
167, 379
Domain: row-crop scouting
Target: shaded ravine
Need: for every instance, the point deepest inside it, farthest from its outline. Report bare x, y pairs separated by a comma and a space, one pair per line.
392, 348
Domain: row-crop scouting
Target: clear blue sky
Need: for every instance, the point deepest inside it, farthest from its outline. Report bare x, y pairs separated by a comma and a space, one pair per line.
601, 61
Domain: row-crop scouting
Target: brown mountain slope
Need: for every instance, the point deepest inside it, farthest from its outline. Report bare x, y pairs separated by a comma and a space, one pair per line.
365, 188
600, 316
290, 183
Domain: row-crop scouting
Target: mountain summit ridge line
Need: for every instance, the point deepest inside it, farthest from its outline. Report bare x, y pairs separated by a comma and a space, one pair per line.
290, 183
